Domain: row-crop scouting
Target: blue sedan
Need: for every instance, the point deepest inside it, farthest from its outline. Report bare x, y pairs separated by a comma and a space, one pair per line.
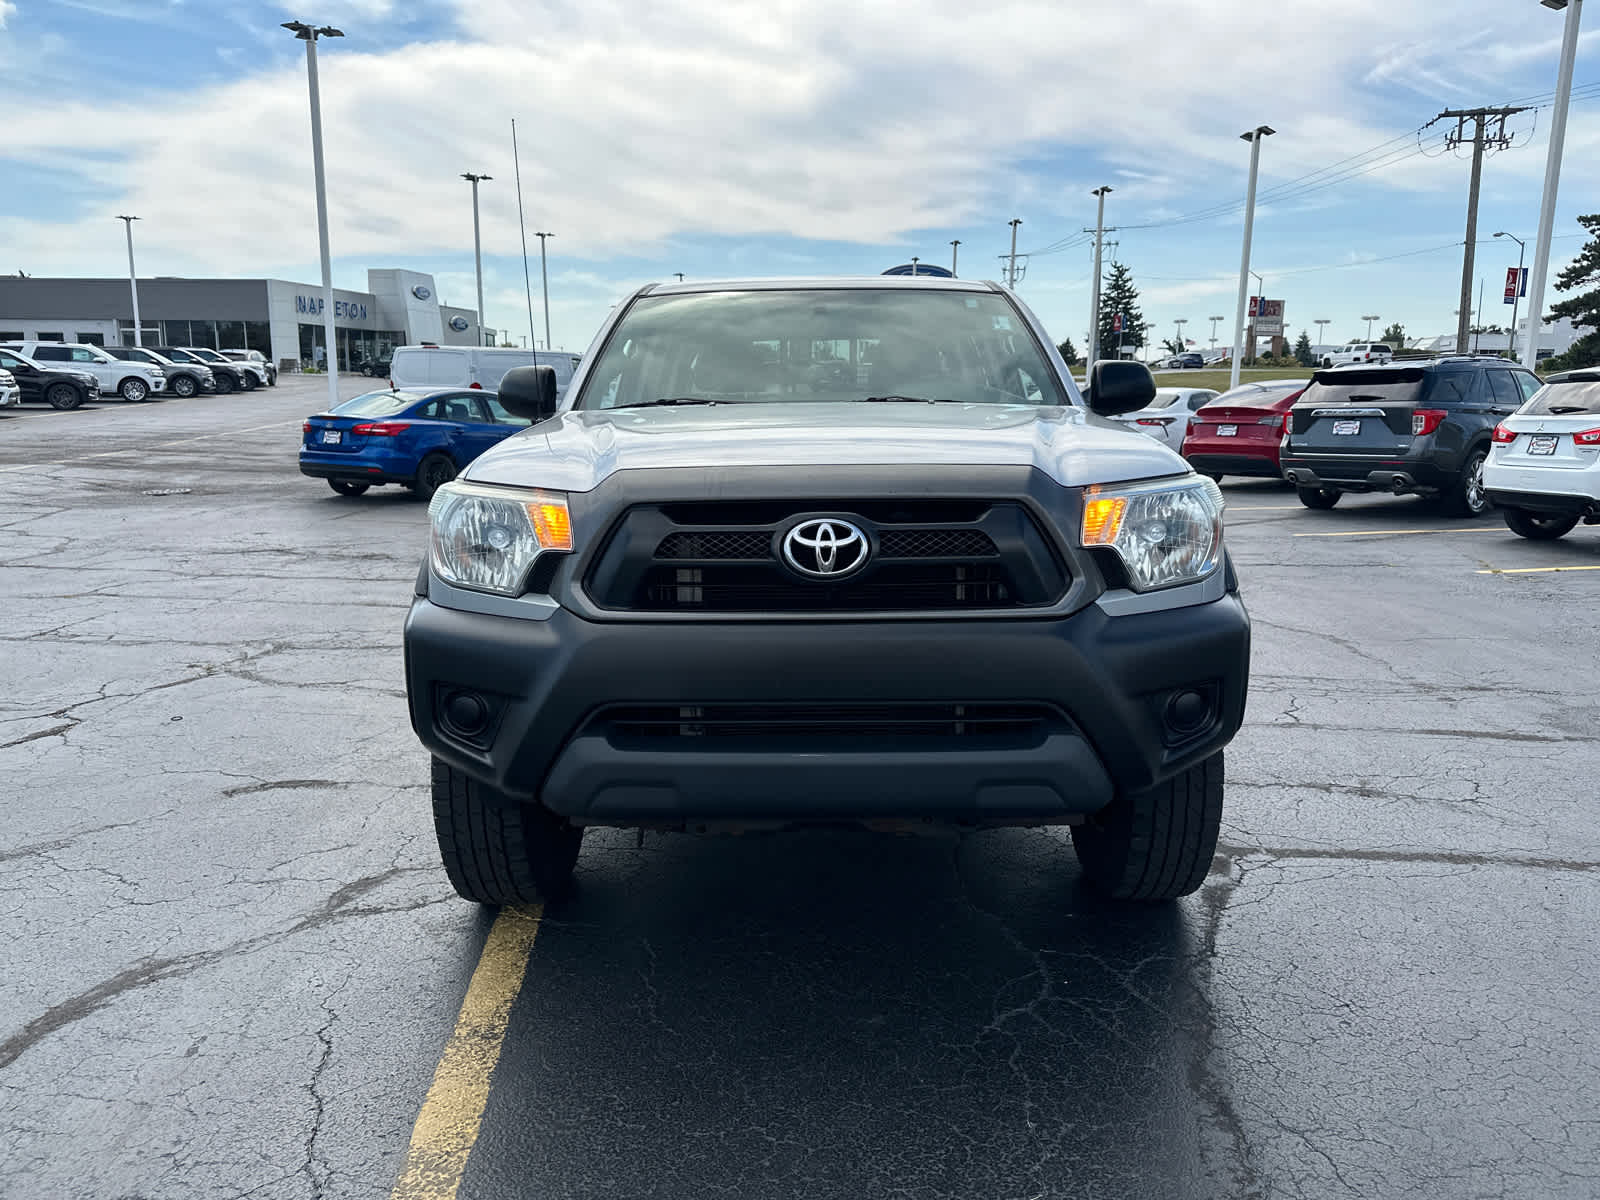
417, 437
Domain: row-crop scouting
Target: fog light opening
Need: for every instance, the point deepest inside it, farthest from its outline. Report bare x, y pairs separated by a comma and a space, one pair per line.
466, 714
1189, 711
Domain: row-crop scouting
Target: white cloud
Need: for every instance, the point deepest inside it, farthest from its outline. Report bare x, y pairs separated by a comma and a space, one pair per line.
7, 10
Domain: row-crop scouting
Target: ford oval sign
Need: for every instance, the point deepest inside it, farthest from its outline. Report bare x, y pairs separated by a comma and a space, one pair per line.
422, 291
459, 324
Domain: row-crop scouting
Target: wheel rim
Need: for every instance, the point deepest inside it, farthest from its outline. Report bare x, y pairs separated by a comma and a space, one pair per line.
438, 474
60, 396
183, 386
135, 391
1476, 500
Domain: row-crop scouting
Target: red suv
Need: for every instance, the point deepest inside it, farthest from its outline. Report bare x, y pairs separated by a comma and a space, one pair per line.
1238, 432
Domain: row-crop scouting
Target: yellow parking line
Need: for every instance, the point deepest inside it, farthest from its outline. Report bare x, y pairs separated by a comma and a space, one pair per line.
1533, 570
447, 1126
1392, 532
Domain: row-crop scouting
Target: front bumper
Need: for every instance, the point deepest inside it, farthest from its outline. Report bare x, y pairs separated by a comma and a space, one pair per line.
10, 397
549, 684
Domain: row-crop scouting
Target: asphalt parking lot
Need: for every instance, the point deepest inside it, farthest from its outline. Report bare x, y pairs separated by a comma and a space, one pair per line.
233, 965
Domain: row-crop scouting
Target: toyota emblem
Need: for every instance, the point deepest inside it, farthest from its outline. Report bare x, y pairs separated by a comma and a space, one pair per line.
826, 548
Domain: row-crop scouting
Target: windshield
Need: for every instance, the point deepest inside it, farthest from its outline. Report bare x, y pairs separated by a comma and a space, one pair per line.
810, 346
377, 404
1565, 400
208, 355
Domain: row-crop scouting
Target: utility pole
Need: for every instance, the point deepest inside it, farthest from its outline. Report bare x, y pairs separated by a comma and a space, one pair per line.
477, 244
1552, 176
1254, 137
1011, 280
1481, 140
955, 243
1094, 290
544, 279
133, 282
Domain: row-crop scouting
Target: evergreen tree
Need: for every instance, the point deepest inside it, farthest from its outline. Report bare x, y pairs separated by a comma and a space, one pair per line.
1303, 354
1069, 352
1119, 296
1582, 275
1395, 336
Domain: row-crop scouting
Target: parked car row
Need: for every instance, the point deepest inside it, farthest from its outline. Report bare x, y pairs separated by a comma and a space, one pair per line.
1475, 431
65, 375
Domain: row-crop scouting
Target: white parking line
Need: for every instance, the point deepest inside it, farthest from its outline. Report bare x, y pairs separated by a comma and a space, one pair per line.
62, 462
1394, 532
1533, 570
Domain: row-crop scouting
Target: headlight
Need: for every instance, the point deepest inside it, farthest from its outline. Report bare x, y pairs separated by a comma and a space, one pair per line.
486, 538
1165, 533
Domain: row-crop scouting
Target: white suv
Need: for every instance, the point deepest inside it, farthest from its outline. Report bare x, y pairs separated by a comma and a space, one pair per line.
1543, 470
131, 380
10, 392
1359, 352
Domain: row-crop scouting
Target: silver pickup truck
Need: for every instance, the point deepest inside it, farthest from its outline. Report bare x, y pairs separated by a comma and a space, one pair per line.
810, 552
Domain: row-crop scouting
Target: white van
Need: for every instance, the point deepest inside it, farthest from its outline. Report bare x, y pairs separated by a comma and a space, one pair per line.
469, 366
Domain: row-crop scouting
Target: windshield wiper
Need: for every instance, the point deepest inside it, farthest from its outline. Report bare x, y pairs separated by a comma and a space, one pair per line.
667, 401
1561, 410
897, 399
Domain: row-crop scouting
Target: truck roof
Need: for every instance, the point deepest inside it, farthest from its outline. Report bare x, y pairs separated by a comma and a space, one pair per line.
898, 282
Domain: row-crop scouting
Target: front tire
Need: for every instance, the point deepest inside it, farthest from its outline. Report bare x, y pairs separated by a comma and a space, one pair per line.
63, 396
225, 384
1538, 527
134, 390
183, 386
1322, 498
1155, 845
348, 487
1468, 498
433, 472
498, 850
250, 382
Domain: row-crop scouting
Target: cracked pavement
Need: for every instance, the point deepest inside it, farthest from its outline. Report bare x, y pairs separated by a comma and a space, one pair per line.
232, 961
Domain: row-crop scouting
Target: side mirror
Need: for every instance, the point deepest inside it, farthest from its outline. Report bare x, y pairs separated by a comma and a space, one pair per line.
1118, 386
529, 392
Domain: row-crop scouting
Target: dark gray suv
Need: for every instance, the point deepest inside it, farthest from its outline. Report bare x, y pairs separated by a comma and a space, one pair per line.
1418, 429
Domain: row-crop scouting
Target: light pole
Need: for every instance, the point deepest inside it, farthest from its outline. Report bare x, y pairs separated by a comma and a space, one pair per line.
1180, 322
1370, 319
544, 278
1552, 175
309, 35
1322, 332
1254, 137
1516, 293
1100, 194
679, 274
1214, 321
477, 243
1011, 277
914, 261
955, 243
133, 282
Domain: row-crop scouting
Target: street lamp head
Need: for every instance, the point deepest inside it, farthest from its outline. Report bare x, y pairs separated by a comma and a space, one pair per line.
1558, 5
308, 33
1260, 131
120, 217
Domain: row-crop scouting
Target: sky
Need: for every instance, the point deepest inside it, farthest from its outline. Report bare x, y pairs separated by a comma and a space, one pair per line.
742, 138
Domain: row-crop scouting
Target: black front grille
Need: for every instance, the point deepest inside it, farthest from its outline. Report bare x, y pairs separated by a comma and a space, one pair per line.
935, 543
928, 556
678, 723
716, 545
888, 587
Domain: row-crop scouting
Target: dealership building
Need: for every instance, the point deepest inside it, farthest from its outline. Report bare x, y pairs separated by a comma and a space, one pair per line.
283, 320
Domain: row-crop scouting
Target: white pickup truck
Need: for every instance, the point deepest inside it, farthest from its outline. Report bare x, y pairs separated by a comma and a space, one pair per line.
1359, 352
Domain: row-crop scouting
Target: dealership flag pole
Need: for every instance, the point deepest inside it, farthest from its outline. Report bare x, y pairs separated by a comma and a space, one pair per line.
527, 282
1552, 179
133, 282
309, 35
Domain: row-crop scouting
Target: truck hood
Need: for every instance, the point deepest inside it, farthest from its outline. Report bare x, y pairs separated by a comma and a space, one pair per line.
577, 451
